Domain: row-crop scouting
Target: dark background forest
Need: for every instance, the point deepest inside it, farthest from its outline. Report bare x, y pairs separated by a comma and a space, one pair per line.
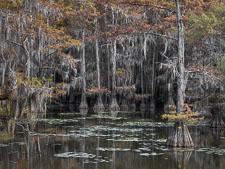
115, 55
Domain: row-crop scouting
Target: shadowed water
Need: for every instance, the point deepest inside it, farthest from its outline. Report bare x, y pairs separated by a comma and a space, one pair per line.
107, 141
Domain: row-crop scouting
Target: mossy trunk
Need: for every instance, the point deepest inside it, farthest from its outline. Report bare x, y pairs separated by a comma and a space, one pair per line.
181, 69
170, 100
113, 103
152, 98
98, 105
180, 136
83, 104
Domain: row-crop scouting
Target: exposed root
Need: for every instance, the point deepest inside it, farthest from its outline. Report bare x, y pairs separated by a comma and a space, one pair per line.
180, 136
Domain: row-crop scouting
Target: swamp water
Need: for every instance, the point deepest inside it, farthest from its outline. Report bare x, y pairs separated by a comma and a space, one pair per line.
121, 140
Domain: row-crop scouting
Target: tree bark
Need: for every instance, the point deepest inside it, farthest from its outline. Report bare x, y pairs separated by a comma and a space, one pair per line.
83, 104
180, 136
113, 104
152, 101
98, 105
181, 69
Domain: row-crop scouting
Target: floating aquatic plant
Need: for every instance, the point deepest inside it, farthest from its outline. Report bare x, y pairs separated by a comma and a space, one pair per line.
112, 149
126, 139
57, 121
4, 145
75, 155
151, 154
212, 150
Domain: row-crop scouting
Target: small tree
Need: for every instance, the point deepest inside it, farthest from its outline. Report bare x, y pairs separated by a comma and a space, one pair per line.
180, 136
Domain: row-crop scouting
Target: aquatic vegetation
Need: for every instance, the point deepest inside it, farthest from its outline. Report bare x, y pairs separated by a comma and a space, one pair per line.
70, 114
56, 121
216, 151
147, 124
112, 149
162, 140
4, 145
127, 139
75, 155
151, 154
106, 128
105, 116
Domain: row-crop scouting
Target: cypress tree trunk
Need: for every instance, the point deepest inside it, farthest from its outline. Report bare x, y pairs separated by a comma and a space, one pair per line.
181, 70
180, 136
83, 104
152, 101
113, 103
142, 105
170, 100
217, 116
98, 105
124, 106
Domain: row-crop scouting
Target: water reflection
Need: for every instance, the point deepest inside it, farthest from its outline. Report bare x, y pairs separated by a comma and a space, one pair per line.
84, 112
115, 140
182, 158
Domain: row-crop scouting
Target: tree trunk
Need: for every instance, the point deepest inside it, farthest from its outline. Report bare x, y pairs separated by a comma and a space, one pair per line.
180, 136
217, 116
142, 105
98, 105
152, 101
170, 100
83, 104
113, 104
181, 69
217, 121
124, 106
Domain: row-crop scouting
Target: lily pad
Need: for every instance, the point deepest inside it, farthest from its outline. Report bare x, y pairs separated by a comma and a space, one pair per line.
112, 149
56, 121
151, 154
162, 140
127, 139
74, 155
4, 145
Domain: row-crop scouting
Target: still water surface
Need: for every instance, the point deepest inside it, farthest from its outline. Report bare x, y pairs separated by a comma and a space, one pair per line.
109, 141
